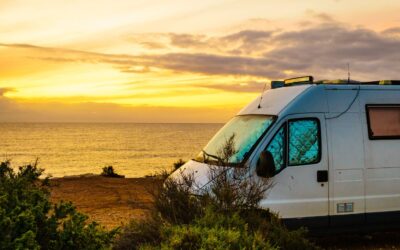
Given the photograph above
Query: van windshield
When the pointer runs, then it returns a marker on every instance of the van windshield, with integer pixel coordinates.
(246, 131)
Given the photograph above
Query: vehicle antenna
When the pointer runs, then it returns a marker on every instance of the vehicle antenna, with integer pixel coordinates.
(259, 104)
(348, 73)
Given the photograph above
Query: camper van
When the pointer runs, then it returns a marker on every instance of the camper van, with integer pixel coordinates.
(331, 149)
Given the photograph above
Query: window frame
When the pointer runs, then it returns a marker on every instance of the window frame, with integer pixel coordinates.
(285, 140)
(318, 160)
(285, 125)
(370, 134)
(252, 149)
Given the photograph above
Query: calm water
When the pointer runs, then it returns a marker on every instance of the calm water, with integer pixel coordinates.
(72, 148)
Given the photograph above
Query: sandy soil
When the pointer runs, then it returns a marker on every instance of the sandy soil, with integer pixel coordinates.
(110, 201)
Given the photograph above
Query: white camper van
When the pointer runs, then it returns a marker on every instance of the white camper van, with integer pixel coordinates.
(331, 148)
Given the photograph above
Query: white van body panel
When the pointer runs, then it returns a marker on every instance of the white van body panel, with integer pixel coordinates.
(346, 153)
(382, 158)
(363, 174)
(200, 173)
(295, 192)
(346, 162)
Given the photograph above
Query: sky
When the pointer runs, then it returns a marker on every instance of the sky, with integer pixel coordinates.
(180, 60)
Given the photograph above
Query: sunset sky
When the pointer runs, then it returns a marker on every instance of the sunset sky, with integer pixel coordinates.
(180, 61)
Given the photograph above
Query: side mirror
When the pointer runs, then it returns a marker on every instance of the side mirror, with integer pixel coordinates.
(265, 165)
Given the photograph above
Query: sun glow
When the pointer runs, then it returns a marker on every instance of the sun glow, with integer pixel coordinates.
(194, 56)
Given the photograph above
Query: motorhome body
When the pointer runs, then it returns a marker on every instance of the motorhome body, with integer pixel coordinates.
(335, 151)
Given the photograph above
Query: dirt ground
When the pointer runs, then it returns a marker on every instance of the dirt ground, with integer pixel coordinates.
(115, 201)
(109, 201)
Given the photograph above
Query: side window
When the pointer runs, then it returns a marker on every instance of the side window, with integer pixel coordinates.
(383, 121)
(304, 142)
(277, 148)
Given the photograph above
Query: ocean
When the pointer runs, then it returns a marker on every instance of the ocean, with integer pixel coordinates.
(133, 149)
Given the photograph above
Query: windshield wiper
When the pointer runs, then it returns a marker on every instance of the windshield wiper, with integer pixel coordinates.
(220, 161)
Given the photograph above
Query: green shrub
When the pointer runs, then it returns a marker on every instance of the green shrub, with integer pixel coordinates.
(257, 229)
(175, 203)
(109, 172)
(214, 231)
(29, 221)
(140, 233)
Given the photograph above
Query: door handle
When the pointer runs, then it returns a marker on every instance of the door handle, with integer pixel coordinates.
(322, 175)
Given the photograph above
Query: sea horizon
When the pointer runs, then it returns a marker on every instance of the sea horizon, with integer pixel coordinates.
(111, 122)
(75, 148)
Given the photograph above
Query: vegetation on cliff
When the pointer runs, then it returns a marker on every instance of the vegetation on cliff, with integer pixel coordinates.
(28, 220)
(222, 215)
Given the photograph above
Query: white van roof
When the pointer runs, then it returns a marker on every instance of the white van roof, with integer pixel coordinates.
(310, 98)
(273, 101)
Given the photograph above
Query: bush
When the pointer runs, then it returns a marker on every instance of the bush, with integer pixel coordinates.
(211, 229)
(225, 215)
(178, 164)
(29, 221)
(109, 172)
(214, 231)
(175, 203)
(140, 233)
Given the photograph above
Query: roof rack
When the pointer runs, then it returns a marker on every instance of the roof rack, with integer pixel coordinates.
(337, 81)
(299, 80)
(309, 80)
(383, 82)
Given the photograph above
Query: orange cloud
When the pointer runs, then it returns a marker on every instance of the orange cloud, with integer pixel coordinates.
(177, 76)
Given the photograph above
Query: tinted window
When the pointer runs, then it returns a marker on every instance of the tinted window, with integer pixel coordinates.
(383, 121)
(277, 149)
(304, 141)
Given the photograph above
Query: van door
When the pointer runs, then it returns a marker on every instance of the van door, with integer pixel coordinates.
(300, 191)
(346, 162)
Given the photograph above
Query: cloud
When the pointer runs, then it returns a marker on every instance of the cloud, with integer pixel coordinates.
(189, 41)
(392, 31)
(6, 90)
(242, 42)
(153, 45)
(322, 50)
(8, 106)
(327, 48)
(218, 64)
(249, 36)
(320, 16)
(246, 87)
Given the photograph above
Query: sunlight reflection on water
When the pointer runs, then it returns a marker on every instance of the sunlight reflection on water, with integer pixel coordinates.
(77, 148)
